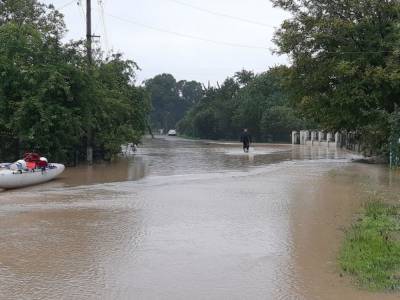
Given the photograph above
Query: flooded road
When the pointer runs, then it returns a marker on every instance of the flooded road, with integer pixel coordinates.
(188, 219)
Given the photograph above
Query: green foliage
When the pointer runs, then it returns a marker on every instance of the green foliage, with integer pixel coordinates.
(345, 72)
(49, 96)
(45, 19)
(395, 138)
(371, 251)
(171, 99)
(257, 102)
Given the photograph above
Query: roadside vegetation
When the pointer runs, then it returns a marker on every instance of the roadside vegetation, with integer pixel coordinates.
(371, 250)
(52, 100)
(345, 66)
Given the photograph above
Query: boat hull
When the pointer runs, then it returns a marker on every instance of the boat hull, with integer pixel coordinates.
(13, 179)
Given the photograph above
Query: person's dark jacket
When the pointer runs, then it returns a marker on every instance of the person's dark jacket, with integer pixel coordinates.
(245, 138)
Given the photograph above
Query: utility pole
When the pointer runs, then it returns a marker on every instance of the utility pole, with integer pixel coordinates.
(89, 30)
(89, 141)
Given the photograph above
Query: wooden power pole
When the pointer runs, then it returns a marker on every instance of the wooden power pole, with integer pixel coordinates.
(89, 30)
(89, 142)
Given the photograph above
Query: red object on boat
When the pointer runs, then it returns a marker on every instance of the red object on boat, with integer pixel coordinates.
(31, 165)
(41, 164)
(31, 157)
(34, 160)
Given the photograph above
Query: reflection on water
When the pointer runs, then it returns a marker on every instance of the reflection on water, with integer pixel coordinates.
(131, 168)
(189, 219)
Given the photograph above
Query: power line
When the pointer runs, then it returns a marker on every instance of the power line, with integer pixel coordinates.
(66, 4)
(186, 35)
(96, 23)
(221, 14)
(101, 4)
(78, 3)
(82, 11)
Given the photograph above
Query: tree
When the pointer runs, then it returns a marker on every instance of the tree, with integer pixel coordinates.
(244, 77)
(121, 111)
(345, 71)
(257, 102)
(44, 18)
(46, 90)
(171, 99)
(191, 92)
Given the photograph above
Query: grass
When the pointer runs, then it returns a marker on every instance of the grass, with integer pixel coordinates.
(371, 250)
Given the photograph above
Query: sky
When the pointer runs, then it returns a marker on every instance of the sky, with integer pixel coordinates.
(202, 40)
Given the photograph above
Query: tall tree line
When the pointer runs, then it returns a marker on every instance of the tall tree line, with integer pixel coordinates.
(171, 99)
(246, 100)
(50, 96)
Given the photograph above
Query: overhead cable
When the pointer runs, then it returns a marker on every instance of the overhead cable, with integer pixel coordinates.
(65, 5)
(103, 18)
(184, 35)
(219, 14)
(83, 12)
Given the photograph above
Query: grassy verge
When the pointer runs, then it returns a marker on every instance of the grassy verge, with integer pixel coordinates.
(371, 250)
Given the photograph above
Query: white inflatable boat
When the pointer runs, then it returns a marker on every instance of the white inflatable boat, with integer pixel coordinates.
(11, 179)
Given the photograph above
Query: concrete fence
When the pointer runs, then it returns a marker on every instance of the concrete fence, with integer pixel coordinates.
(326, 139)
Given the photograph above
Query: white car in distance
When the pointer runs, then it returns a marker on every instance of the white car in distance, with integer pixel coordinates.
(172, 132)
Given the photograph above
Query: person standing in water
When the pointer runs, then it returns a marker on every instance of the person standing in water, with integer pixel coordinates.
(245, 138)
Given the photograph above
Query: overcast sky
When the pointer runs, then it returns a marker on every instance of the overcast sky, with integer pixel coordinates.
(232, 44)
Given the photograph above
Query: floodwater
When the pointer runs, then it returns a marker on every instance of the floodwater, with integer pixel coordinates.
(189, 220)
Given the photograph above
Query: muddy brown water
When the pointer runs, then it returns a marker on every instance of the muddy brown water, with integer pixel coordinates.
(189, 220)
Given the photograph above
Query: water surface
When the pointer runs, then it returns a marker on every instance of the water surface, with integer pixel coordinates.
(188, 219)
